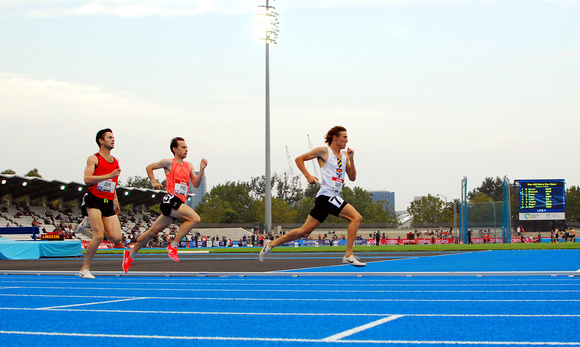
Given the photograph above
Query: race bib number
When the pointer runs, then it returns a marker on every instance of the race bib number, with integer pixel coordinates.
(337, 184)
(107, 186)
(180, 189)
(336, 201)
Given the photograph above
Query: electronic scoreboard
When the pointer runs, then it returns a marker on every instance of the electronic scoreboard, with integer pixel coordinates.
(542, 199)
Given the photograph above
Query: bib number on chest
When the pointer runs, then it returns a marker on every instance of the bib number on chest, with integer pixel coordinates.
(180, 189)
(107, 186)
(337, 184)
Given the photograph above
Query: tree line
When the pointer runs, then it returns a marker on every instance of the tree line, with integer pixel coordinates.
(243, 202)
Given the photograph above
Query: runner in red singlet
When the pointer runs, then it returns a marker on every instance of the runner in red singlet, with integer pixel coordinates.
(100, 203)
(178, 173)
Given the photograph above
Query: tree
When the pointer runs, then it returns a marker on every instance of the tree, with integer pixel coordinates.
(8, 172)
(33, 173)
(237, 198)
(380, 212)
(363, 202)
(139, 182)
(282, 186)
(490, 187)
(281, 211)
(230, 216)
(288, 188)
(428, 209)
(211, 209)
(573, 204)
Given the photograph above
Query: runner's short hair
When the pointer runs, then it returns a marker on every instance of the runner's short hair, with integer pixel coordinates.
(101, 135)
(174, 143)
(334, 131)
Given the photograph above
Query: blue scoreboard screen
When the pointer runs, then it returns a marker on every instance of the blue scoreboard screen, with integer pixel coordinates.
(542, 199)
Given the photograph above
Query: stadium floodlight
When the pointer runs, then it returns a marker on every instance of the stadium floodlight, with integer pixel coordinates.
(268, 30)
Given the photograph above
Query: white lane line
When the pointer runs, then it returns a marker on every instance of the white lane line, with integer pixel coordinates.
(269, 290)
(87, 304)
(336, 337)
(260, 339)
(233, 298)
(241, 313)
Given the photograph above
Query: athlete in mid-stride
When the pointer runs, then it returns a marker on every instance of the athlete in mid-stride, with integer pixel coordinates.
(335, 160)
(178, 173)
(100, 203)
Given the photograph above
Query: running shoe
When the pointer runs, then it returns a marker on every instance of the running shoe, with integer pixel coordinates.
(86, 274)
(127, 261)
(265, 250)
(353, 260)
(84, 228)
(172, 252)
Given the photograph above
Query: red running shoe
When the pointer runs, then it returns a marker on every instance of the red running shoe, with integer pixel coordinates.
(127, 261)
(172, 252)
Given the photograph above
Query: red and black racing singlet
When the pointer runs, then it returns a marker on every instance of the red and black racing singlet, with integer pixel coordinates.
(178, 180)
(105, 189)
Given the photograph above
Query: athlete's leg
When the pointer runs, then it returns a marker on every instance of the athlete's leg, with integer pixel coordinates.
(304, 231)
(98, 228)
(354, 218)
(159, 225)
(191, 219)
(113, 231)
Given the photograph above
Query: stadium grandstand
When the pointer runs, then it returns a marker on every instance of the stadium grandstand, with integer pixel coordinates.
(54, 206)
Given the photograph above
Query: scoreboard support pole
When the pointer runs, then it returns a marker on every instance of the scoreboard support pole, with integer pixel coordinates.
(506, 224)
(463, 212)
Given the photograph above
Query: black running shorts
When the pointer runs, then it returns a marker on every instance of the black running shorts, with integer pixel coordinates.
(106, 206)
(170, 202)
(325, 205)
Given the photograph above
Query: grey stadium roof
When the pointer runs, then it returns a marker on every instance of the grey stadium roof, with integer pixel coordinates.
(37, 188)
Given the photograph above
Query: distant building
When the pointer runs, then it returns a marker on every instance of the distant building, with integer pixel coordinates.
(384, 195)
(198, 193)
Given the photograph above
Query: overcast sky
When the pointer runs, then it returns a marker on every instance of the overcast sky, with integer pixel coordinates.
(429, 90)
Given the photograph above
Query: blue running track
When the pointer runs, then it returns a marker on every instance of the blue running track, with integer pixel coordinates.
(438, 310)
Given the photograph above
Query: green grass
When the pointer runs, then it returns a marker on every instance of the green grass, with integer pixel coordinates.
(362, 249)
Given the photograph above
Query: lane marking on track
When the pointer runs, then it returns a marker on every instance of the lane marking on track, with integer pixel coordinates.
(260, 339)
(336, 337)
(219, 288)
(303, 299)
(87, 304)
(306, 314)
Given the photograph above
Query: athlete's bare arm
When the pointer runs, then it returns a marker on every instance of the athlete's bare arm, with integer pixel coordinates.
(116, 203)
(90, 177)
(350, 169)
(320, 153)
(162, 164)
(196, 179)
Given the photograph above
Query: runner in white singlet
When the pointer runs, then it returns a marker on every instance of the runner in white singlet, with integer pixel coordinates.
(335, 160)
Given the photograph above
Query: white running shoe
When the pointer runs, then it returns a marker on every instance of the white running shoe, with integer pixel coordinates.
(353, 260)
(265, 250)
(84, 228)
(86, 274)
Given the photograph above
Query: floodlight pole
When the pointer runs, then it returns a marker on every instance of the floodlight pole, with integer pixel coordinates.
(268, 183)
(271, 34)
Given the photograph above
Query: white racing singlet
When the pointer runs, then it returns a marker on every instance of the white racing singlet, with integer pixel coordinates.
(332, 174)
